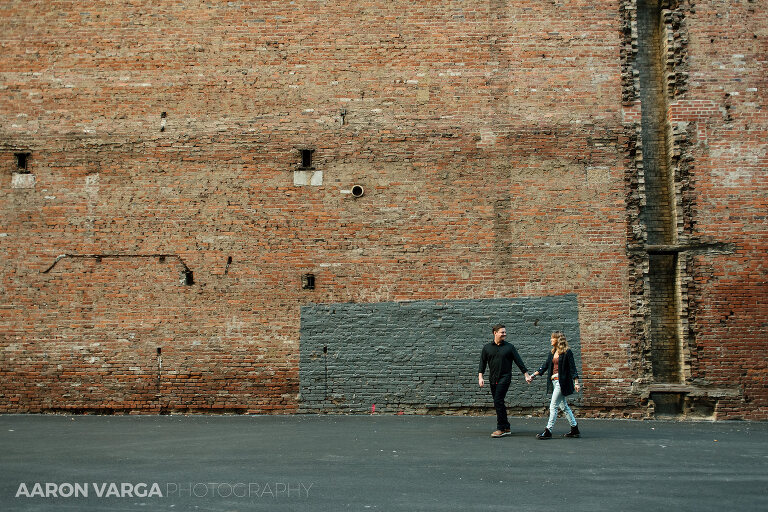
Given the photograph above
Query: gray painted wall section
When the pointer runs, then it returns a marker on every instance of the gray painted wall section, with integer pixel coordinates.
(423, 354)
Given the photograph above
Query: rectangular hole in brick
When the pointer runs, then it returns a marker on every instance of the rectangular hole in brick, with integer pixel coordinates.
(22, 162)
(668, 404)
(308, 281)
(306, 158)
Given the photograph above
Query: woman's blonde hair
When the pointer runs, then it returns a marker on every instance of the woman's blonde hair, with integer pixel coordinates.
(562, 342)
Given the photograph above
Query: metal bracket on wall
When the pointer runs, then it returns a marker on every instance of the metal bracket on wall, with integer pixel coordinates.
(188, 275)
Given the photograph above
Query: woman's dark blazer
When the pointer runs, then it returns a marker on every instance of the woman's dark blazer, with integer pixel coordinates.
(566, 372)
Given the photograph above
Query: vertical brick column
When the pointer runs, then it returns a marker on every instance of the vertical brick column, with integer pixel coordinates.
(658, 214)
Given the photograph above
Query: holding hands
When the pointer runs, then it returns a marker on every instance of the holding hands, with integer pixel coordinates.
(529, 379)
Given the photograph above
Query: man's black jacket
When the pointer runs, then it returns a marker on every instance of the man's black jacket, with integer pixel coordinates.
(499, 359)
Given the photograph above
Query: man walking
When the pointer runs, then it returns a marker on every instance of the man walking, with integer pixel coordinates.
(498, 356)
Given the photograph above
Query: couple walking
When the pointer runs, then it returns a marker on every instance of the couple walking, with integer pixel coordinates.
(562, 379)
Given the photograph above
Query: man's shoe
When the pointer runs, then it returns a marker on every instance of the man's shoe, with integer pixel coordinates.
(574, 432)
(497, 433)
(544, 435)
(507, 432)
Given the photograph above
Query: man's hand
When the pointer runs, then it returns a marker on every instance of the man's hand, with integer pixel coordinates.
(528, 378)
(576, 385)
(480, 379)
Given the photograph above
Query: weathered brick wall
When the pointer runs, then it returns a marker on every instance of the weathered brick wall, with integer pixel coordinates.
(419, 355)
(495, 142)
(725, 115)
(713, 93)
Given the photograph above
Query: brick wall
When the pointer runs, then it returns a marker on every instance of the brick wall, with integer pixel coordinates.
(419, 355)
(726, 118)
(715, 257)
(496, 143)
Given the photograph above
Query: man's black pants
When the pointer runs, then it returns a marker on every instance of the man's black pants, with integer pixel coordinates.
(499, 392)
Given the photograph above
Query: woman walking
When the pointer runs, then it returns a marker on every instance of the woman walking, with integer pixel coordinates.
(563, 380)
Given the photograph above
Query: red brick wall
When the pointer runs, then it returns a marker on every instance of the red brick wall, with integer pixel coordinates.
(491, 139)
(726, 105)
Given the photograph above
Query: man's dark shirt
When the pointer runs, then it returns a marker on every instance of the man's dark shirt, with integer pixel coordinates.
(499, 359)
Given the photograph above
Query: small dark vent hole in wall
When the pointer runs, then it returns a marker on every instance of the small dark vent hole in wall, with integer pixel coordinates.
(306, 158)
(22, 162)
(308, 281)
(189, 278)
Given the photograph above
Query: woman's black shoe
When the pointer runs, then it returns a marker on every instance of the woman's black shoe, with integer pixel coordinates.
(544, 435)
(574, 432)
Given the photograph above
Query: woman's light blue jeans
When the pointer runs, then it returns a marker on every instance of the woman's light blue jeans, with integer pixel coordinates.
(558, 400)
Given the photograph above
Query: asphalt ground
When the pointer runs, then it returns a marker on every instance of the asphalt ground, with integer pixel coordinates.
(377, 462)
